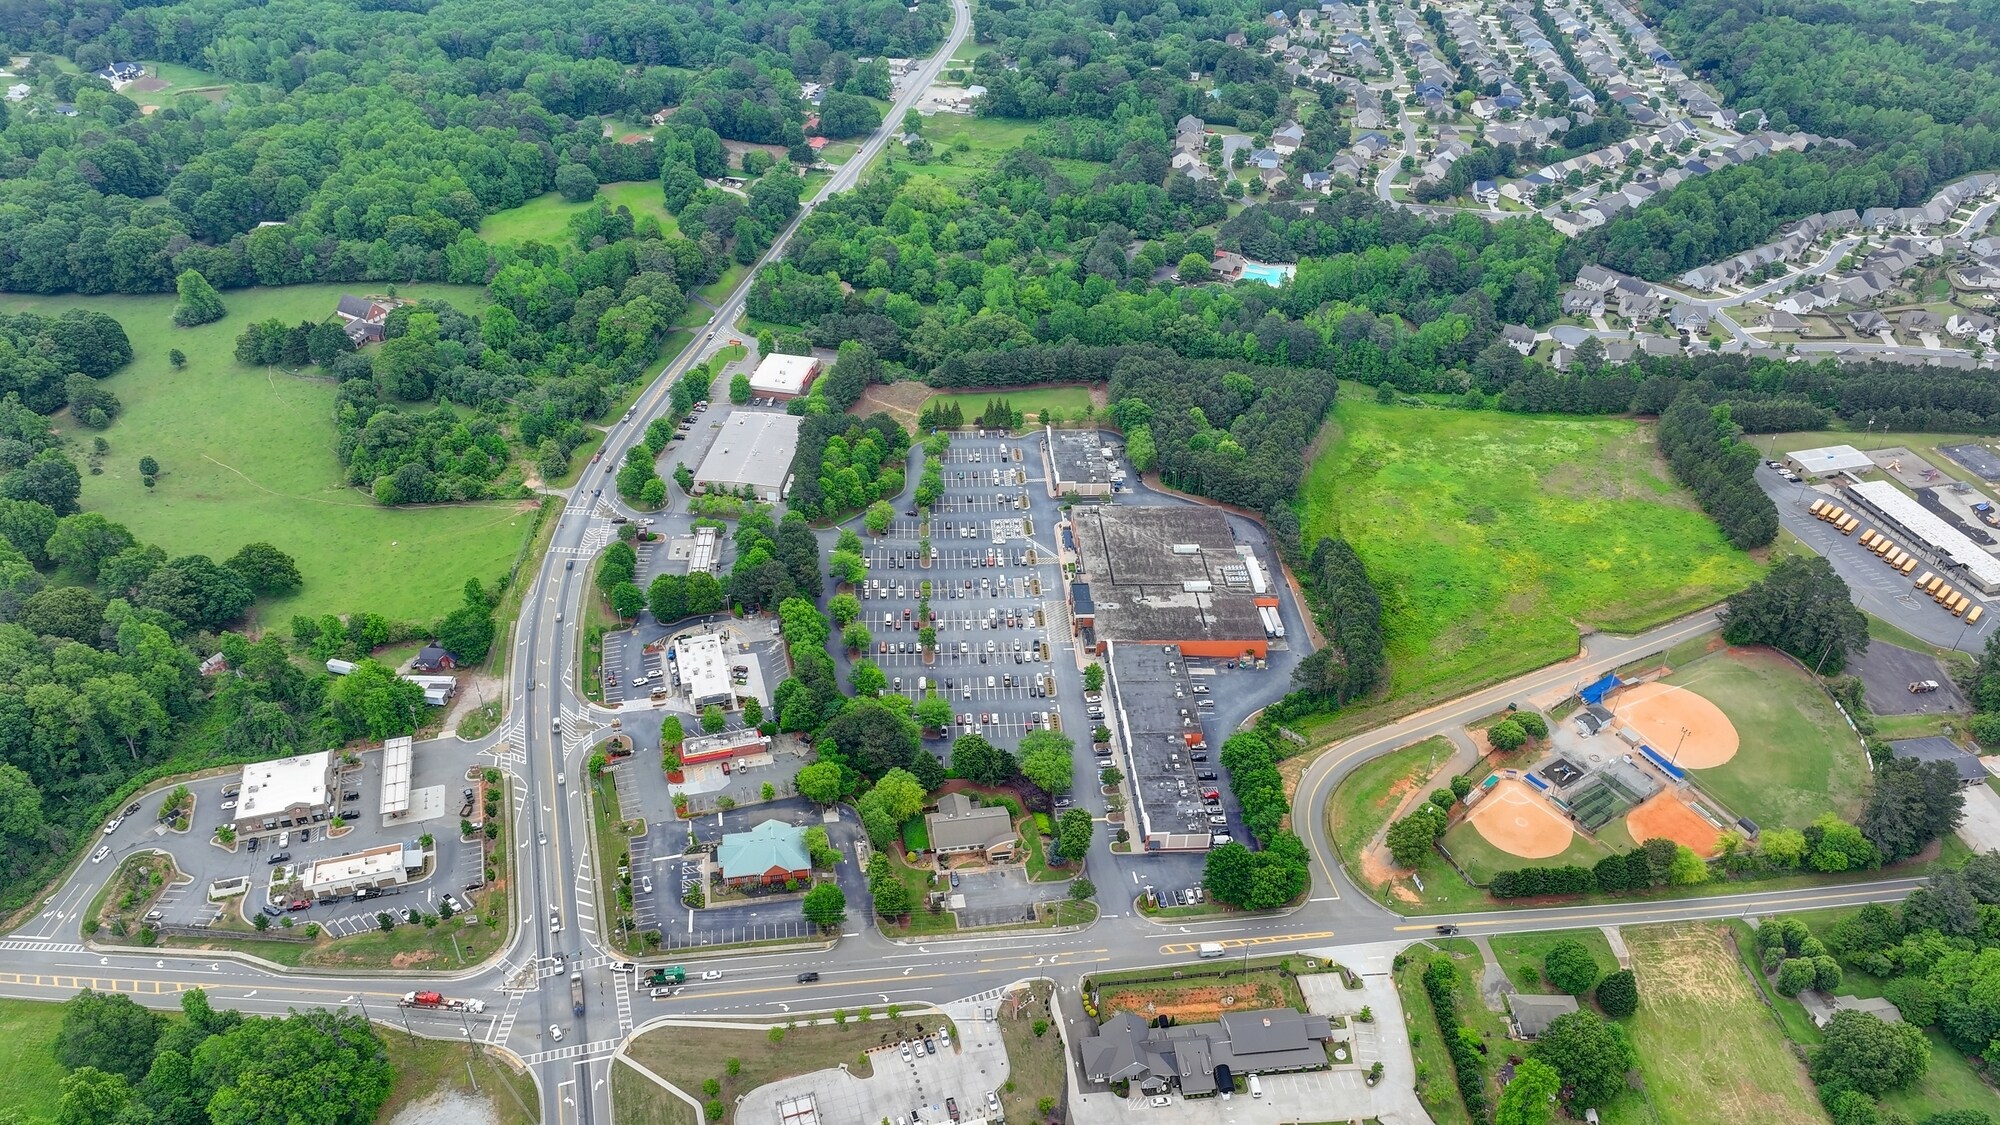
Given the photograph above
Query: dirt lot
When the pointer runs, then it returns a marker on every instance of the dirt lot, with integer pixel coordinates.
(900, 401)
(1196, 1000)
(1666, 815)
(1887, 672)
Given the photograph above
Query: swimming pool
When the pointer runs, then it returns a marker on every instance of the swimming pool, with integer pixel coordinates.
(1273, 275)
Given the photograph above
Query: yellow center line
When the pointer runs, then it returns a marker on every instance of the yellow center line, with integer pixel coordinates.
(1243, 943)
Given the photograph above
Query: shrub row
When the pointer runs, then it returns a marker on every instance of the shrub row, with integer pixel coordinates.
(1440, 980)
(1526, 882)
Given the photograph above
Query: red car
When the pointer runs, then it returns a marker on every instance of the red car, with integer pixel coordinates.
(300, 904)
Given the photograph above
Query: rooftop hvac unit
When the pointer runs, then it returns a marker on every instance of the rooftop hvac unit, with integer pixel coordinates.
(1187, 548)
(1197, 586)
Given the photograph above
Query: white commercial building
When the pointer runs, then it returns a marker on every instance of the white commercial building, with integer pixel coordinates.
(386, 866)
(784, 376)
(1948, 548)
(753, 449)
(284, 792)
(397, 755)
(704, 668)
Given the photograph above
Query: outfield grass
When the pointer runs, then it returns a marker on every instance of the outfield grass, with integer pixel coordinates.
(180, 80)
(1364, 800)
(1709, 1051)
(27, 1056)
(1481, 859)
(1521, 955)
(1797, 758)
(1069, 401)
(546, 217)
(1494, 537)
(248, 455)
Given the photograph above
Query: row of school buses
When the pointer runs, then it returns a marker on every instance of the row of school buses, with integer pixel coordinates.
(1900, 560)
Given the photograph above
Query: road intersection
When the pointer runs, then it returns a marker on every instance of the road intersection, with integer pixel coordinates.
(549, 729)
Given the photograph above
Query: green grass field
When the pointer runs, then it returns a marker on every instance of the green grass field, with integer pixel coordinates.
(1709, 1051)
(984, 141)
(1361, 804)
(248, 454)
(1797, 757)
(546, 217)
(1520, 955)
(1481, 859)
(1494, 537)
(180, 80)
(27, 1055)
(1068, 401)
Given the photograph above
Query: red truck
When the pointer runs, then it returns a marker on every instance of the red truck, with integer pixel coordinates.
(437, 1001)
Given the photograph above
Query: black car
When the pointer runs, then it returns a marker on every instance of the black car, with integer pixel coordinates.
(272, 912)
(130, 809)
(252, 846)
(278, 858)
(808, 978)
(1205, 775)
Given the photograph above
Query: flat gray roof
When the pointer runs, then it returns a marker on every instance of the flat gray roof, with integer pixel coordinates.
(1943, 538)
(1078, 458)
(752, 447)
(1156, 714)
(1165, 574)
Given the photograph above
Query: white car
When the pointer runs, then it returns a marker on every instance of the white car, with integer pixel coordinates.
(906, 1052)
(1160, 1101)
(646, 884)
(102, 851)
(284, 839)
(113, 826)
(555, 1033)
(712, 974)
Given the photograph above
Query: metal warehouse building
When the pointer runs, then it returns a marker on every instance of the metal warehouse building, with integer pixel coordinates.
(1170, 576)
(753, 449)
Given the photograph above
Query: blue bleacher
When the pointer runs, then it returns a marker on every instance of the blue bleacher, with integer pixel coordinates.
(1536, 782)
(1666, 767)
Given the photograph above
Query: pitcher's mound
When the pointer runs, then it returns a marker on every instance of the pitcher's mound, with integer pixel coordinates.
(1513, 818)
(1660, 712)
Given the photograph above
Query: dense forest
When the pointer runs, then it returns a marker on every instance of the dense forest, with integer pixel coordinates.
(1915, 87)
(367, 143)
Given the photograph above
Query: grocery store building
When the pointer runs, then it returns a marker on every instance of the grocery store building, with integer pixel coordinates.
(1170, 575)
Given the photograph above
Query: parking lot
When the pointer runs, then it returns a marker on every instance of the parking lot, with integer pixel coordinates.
(909, 1083)
(435, 766)
(990, 586)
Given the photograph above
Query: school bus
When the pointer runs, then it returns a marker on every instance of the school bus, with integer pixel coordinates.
(1958, 604)
(1882, 547)
(1869, 537)
(1976, 613)
(1907, 565)
(1933, 586)
(1925, 579)
(1848, 525)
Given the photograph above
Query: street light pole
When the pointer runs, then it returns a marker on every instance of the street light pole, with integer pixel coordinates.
(1677, 746)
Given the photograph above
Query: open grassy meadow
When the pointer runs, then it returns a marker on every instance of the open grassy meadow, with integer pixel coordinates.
(1708, 1050)
(1521, 955)
(165, 82)
(1797, 759)
(27, 1056)
(964, 147)
(546, 217)
(1030, 401)
(247, 454)
(1494, 537)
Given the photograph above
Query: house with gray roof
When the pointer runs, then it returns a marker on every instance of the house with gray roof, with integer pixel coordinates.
(1940, 749)
(1532, 1014)
(960, 826)
(1197, 1058)
(1820, 1007)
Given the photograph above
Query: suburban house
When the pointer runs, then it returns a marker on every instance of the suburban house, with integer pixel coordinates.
(1228, 265)
(1781, 321)
(767, 855)
(959, 826)
(366, 318)
(1920, 320)
(1821, 1007)
(1637, 301)
(1868, 321)
(1200, 1059)
(1289, 139)
(1533, 1014)
(1486, 191)
(1582, 302)
(433, 659)
(1519, 337)
(1963, 325)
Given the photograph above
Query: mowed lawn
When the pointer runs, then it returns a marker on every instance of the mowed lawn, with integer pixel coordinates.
(1709, 1052)
(1363, 801)
(27, 1056)
(546, 217)
(1796, 757)
(247, 455)
(1068, 401)
(1495, 537)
